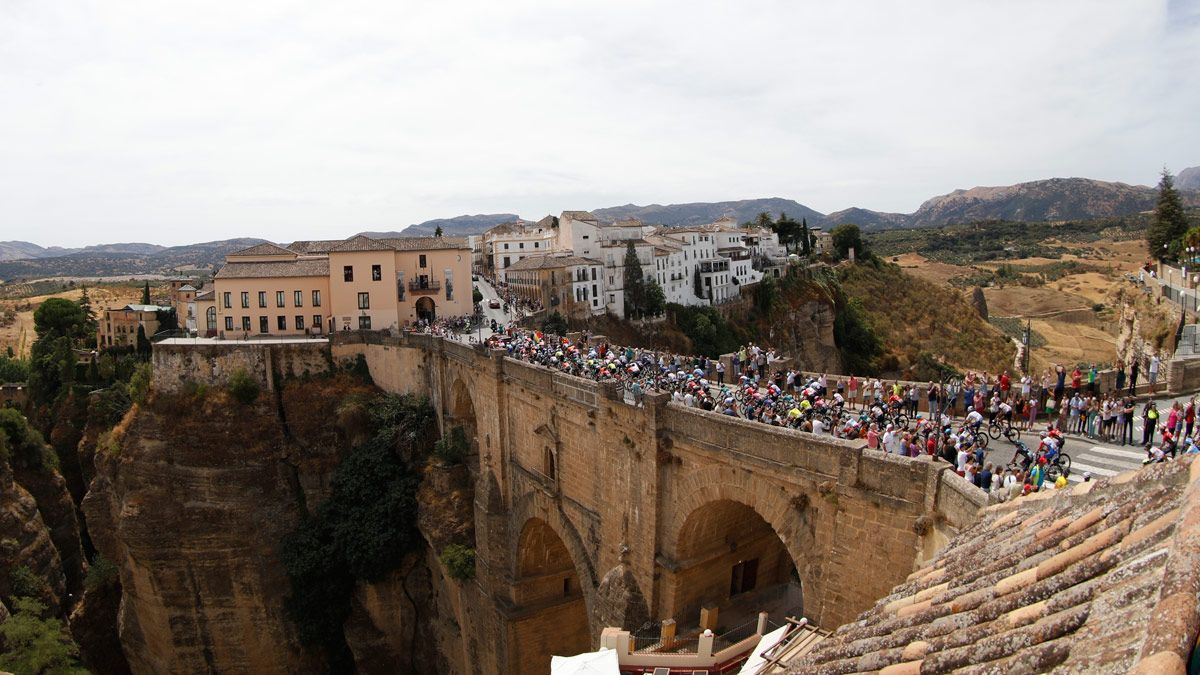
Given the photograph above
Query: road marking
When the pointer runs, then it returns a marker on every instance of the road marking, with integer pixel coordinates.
(1113, 452)
(1080, 468)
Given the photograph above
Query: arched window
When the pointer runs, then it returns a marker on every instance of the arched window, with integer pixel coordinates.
(211, 318)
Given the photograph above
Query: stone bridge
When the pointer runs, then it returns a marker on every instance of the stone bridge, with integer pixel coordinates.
(592, 512)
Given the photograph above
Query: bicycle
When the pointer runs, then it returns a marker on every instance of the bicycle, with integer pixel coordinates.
(1060, 465)
(997, 428)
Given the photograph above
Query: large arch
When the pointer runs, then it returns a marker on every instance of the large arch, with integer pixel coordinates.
(552, 609)
(723, 507)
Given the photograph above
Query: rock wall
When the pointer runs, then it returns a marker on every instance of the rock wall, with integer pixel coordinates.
(25, 541)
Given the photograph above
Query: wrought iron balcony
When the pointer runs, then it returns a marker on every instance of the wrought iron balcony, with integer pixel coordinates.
(430, 286)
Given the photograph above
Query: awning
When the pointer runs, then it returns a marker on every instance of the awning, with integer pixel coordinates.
(603, 662)
(757, 660)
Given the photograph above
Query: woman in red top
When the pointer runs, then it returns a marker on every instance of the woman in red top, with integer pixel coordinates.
(1076, 379)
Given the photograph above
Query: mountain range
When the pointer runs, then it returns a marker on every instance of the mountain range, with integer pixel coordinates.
(1053, 199)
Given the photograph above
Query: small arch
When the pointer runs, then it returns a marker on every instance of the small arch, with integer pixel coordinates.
(210, 321)
(460, 411)
(548, 590)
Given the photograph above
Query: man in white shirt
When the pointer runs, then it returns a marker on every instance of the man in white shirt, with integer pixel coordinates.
(889, 437)
(818, 427)
(974, 419)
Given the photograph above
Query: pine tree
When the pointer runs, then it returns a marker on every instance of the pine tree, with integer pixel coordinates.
(1165, 234)
(146, 294)
(804, 237)
(438, 231)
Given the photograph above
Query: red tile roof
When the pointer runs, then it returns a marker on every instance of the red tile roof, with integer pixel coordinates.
(1102, 577)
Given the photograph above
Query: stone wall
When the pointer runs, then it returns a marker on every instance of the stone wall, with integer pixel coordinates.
(177, 366)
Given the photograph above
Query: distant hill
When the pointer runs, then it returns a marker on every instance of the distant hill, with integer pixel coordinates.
(458, 226)
(20, 250)
(1188, 179)
(1052, 199)
(699, 213)
(866, 219)
(123, 259)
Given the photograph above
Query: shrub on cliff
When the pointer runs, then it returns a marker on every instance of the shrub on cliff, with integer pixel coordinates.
(102, 573)
(37, 645)
(243, 387)
(452, 448)
(362, 531)
(459, 561)
(25, 445)
(25, 584)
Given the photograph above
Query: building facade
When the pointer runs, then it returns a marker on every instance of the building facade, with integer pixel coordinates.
(118, 327)
(361, 283)
(567, 284)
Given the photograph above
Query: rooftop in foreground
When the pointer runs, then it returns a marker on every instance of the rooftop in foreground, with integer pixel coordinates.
(1102, 577)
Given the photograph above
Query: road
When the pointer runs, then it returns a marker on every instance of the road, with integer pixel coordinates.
(1088, 455)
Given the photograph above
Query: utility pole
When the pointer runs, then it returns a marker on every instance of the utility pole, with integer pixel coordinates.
(1026, 339)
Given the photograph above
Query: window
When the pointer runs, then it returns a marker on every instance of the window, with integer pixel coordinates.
(262, 298)
(506, 247)
(585, 236)
(229, 323)
(298, 298)
(348, 273)
(279, 298)
(364, 301)
(593, 274)
(521, 245)
(364, 323)
(316, 298)
(246, 323)
(245, 299)
(210, 319)
(422, 259)
(281, 322)
(535, 244)
(506, 261)
(376, 272)
(262, 324)
(299, 322)
(449, 275)
(316, 320)
(228, 299)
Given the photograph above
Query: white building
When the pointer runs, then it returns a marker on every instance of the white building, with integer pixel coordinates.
(508, 243)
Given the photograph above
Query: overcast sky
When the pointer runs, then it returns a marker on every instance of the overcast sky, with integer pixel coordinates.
(174, 122)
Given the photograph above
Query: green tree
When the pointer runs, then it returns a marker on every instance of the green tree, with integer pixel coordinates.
(1165, 234)
(763, 220)
(143, 344)
(766, 294)
(635, 291)
(89, 313)
(36, 645)
(146, 294)
(60, 325)
(846, 237)
(788, 230)
(167, 319)
(459, 561)
(655, 299)
(437, 232)
(555, 324)
(476, 296)
(805, 237)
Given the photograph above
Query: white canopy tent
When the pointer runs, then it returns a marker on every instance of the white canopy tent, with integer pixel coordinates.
(756, 660)
(603, 662)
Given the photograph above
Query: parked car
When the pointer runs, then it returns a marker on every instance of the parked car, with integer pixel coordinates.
(494, 303)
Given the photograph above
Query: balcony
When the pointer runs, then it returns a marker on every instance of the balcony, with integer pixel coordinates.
(417, 286)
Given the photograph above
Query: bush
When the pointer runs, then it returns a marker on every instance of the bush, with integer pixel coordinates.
(25, 584)
(459, 561)
(243, 387)
(452, 448)
(139, 383)
(361, 531)
(37, 645)
(102, 573)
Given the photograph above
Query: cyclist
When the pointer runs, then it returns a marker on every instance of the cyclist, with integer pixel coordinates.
(974, 419)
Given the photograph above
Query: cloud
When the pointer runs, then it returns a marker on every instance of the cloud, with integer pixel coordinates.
(176, 122)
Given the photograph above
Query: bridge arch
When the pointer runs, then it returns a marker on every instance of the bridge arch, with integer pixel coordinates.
(730, 534)
(460, 411)
(552, 591)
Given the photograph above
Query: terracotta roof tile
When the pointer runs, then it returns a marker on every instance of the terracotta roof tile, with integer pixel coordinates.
(1099, 579)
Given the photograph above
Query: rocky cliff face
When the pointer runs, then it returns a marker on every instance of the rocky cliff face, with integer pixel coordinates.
(193, 505)
(25, 543)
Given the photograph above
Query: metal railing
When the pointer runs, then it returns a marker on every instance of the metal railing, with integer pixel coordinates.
(418, 286)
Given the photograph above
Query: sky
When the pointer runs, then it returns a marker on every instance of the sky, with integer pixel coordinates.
(178, 122)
